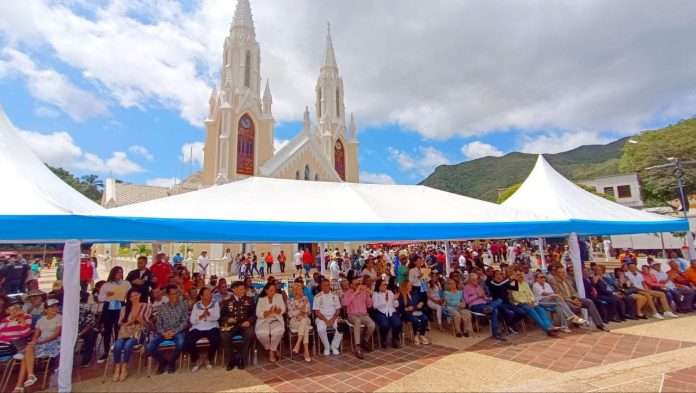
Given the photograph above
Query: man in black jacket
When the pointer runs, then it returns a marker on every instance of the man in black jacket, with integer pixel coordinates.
(141, 278)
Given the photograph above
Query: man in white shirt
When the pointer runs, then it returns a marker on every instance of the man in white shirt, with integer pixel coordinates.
(326, 310)
(298, 261)
(462, 261)
(334, 267)
(636, 278)
(203, 263)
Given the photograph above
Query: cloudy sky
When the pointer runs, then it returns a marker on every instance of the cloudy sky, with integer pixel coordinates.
(121, 86)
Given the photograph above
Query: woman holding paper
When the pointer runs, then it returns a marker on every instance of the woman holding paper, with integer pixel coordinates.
(113, 295)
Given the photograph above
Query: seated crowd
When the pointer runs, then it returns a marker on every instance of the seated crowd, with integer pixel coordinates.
(165, 311)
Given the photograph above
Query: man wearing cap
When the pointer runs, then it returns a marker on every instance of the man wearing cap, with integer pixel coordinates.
(15, 273)
(171, 324)
(35, 305)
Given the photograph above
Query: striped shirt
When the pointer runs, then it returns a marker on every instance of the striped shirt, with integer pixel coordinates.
(11, 330)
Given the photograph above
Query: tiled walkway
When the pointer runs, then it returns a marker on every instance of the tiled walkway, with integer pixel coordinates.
(683, 380)
(577, 350)
(345, 373)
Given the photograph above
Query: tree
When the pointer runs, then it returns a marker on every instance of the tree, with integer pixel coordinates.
(89, 185)
(654, 148)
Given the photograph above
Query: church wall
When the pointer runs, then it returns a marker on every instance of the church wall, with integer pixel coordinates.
(352, 164)
(210, 153)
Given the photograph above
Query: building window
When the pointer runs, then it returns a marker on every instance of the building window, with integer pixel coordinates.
(247, 69)
(609, 191)
(319, 98)
(245, 146)
(624, 191)
(338, 103)
(340, 160)
(306, 172)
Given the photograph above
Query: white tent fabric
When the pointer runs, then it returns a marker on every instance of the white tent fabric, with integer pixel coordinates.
(34, 203)
(30, 187)
(547, 192)
(277, 210)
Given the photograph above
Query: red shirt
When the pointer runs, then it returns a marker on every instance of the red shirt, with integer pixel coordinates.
(307, 258)
(281, 258)
(269, 259)
(161, 271)
(11, 330)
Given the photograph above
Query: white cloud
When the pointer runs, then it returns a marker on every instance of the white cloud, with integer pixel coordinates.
(56, 149)
(118, 164)
(141, 151)
(557, 67)
(279, 144)
(556, 142)
(50, 86)
(478, 149)
(59, 149)
(46, 112)
(422, 162)
(192, 152)
(376, 178)
(168, 182)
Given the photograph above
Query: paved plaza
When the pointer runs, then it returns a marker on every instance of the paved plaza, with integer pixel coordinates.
(646, 356)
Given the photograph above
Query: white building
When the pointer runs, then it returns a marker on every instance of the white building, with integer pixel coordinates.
(624, 188)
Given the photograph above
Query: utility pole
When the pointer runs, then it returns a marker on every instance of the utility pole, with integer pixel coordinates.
(678, 173)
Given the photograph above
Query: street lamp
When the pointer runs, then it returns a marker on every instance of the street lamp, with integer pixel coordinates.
(678, 173)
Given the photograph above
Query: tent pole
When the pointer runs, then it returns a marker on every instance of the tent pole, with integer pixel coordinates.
(71, 313)
(448, 262)
(574, 249)
(542, 262)
(322, 263)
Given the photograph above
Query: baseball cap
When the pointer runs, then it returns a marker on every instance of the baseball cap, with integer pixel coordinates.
(52, 302)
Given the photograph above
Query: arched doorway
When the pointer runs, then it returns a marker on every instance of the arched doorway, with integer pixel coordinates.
(246, 132)
(340, 159)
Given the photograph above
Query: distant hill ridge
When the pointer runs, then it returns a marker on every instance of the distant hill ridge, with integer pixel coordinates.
(483, 177)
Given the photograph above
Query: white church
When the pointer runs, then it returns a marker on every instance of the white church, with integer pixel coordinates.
(240, 127)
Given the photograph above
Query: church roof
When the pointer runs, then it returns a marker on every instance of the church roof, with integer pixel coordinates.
(283, 156)
(121, 194)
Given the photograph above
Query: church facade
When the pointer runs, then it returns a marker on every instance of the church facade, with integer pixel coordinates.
(239, 127)
(239, 139)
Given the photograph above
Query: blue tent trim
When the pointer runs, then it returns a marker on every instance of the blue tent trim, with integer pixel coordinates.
(125, 229)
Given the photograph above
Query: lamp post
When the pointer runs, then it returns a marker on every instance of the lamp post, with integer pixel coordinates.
(678, 172)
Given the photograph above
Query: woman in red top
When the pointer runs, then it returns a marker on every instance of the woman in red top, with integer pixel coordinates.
(161, 269)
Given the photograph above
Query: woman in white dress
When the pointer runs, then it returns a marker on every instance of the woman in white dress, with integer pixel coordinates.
(270, 324)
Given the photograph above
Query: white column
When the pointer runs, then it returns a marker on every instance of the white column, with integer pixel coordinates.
(71, 312)
(322, 255)
(541, 253)
(448, 262)
(574, 249)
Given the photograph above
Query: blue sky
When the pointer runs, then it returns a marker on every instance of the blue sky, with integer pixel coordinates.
(120, 87)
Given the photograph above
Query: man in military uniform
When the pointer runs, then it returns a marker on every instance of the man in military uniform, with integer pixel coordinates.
(237, 320)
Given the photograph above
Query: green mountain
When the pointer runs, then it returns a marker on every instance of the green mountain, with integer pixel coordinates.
(482, 178)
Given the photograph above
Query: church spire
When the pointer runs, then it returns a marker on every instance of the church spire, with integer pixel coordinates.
(267, 97)
(242, 17)
(352, 128)
(307, 121)
(330, 55)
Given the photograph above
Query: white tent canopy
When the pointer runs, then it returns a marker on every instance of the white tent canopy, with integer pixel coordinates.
(30, 188)
(34, 205)
(277, 210)
(547, 192)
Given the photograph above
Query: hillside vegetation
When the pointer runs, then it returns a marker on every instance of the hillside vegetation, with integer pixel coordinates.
(485, 177)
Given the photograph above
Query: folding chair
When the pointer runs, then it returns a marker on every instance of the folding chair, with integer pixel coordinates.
(8, 363)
